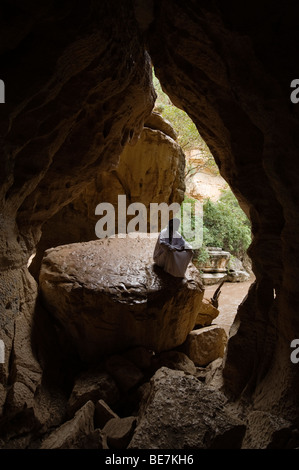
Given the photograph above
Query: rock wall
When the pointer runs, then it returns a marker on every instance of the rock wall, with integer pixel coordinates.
(78, 87)
(230, 69)
(150, 171)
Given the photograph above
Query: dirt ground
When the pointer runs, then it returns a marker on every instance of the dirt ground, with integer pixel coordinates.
(232, 294)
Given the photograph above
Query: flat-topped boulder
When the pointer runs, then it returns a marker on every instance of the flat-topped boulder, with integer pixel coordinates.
(108, 295)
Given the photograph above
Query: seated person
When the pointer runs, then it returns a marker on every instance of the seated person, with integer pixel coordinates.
(172, 252)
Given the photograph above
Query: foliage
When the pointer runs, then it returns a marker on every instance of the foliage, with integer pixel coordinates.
(225, 225)
(188, 135)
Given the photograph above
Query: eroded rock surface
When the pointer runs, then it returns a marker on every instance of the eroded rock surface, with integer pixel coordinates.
(150, 171)
(230, 68)
(74, 98)
(73, 434)
(207, 313)
(181, 413)
(109, 296)
(205, 345)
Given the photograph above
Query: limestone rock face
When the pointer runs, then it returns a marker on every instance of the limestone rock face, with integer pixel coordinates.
(150, 171)
(215, 268)
(234, 82)
(268, 431)
(109, 296)
(181, 413)
(75, 95)
(18, 294)
(157, 122)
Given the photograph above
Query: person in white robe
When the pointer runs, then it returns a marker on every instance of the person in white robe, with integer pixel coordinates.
(172, 252)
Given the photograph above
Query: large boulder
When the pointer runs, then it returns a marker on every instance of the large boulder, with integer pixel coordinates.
(151, 171)
(181, 413)
(109, 296)
(205, 345)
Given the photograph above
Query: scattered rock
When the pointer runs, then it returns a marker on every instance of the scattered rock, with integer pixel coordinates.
(140, 356)
(103, 414)
(207, 313)
(94, 440)
(124, 372)
(73, 433)
(205, 345)
(109, 296)
(143, 393)
(176, 360)
(209, 279)
(236, 271)
(217, 261)
(119, 432)
(181, 413)
(213, 373)
(92, 385)
(50, 407)
(237, 276)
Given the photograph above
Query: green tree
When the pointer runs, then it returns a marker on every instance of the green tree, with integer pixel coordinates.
(188, 135)
(225, 225)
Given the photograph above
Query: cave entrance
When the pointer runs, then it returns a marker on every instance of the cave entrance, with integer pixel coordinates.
(222, 259)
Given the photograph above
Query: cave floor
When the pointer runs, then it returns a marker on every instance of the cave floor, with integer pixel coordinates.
(232, 294)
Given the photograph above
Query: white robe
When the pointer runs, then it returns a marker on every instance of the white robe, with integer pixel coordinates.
(175, 257)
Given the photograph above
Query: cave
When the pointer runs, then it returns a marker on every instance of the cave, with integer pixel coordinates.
(78, 90)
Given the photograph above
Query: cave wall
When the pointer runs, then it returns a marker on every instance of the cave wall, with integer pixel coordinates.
(78, 87)
(229, 66)
(149, 171)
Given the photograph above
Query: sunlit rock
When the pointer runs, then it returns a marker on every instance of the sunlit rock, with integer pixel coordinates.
(205, 344)
(151, 171)
(108, 296)
(207, 313)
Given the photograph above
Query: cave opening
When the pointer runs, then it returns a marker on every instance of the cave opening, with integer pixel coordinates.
(223, 255)
(230, 70)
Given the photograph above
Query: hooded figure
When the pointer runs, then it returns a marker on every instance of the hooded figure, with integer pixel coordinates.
(172, 252)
